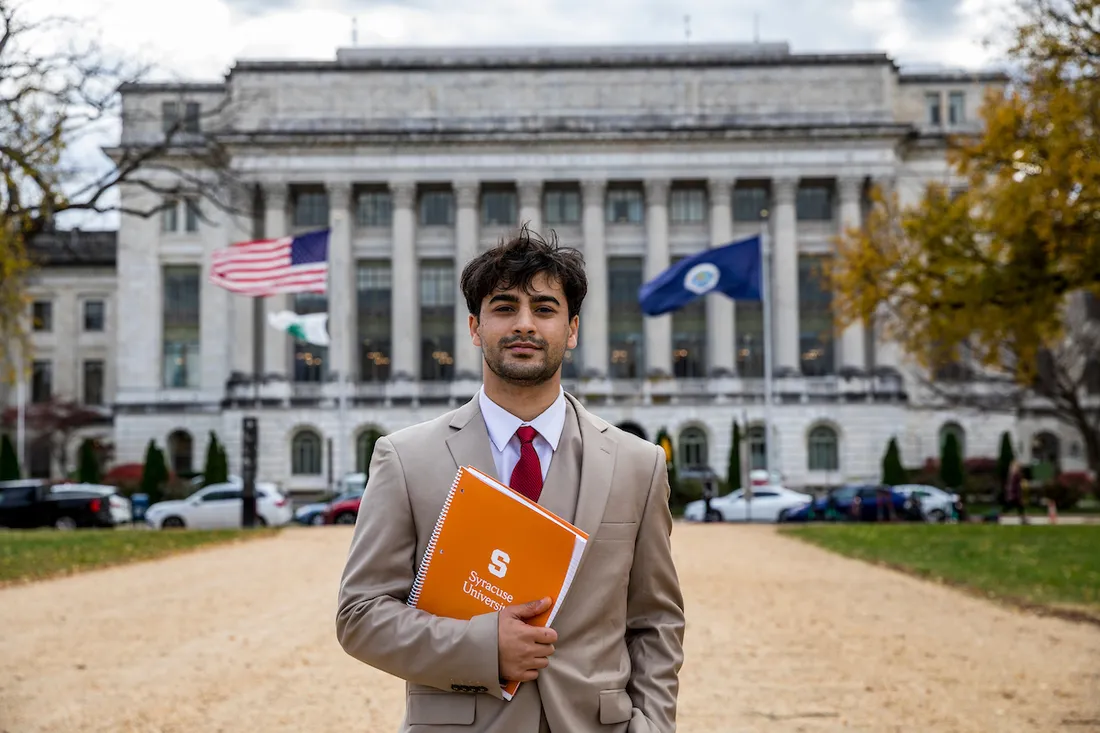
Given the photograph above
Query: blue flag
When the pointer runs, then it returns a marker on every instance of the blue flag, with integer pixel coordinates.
(733, 269)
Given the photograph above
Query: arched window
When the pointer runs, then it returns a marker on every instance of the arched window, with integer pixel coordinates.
(364, 449)
(633, 428)
(758, 449)
(1046, 448)
(180, 452)
(693, 447)
(822, 449)
(305, 453)
(953, 428)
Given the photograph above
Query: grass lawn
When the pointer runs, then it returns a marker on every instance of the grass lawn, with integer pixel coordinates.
(1056, 568)
(27, 555)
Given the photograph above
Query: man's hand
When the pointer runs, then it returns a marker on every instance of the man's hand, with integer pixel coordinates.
(523, 649)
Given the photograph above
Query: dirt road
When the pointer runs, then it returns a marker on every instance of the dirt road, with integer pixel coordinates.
(781, 637)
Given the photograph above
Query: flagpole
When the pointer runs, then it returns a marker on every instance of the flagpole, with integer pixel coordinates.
(766, 307)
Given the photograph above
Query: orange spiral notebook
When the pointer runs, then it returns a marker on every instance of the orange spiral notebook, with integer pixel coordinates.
(493, 547)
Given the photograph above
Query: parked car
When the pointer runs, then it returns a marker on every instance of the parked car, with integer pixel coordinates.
(32, 504)
(218, 506)
(938, 505)
(313, 513)
(856, 502)
(120, 505)
(342, 512)
(768, 503)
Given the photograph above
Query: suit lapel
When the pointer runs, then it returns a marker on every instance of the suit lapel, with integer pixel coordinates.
(597, 466)
(469, 445)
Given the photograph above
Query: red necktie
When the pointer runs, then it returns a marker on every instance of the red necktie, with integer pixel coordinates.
(527, 475)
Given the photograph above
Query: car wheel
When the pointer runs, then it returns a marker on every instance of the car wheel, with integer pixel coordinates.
(260, 521)
(714, 516)
(65, 523)
(936, 515)
(172, 523)
(317, 519)
(345, 518)
(783, 515)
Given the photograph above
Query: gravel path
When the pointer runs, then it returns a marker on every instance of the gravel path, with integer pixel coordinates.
(782, 637)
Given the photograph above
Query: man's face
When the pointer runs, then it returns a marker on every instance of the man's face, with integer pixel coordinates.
(524, 335)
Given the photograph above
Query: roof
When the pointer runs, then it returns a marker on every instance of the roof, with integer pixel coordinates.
(74, 248)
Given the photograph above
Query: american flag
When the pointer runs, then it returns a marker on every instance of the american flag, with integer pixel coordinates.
(270, 266)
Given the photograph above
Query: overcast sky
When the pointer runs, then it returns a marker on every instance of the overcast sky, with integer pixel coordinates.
(201, 38)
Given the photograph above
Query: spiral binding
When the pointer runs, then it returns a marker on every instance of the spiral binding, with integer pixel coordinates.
(429, 553)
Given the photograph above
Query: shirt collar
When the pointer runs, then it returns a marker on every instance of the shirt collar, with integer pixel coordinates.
(502, 425)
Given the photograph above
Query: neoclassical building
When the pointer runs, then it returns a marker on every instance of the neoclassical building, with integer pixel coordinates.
(420, 158)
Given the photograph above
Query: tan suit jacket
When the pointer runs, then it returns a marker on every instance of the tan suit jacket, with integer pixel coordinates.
(620, 630)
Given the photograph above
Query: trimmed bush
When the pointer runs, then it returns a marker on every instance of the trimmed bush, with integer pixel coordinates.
(893, 473)
(88, 463)
(9, 462)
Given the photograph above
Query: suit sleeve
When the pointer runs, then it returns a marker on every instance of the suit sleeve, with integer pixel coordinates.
(373, 622)
(655, 611)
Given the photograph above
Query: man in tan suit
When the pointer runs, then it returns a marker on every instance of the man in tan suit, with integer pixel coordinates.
(612, 660)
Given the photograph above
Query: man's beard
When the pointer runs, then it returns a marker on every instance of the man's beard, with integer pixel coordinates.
(529, 373)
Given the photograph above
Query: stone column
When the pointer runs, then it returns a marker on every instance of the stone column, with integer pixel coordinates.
(721, 322)
(852, 348)
(467, 356)
(405, 288)
(658, 329)
(218, 309)
(530, 204)
(341, 289)
(239, 227)
(785, 325)
(887, 353)
(594, 340)
(276, 344)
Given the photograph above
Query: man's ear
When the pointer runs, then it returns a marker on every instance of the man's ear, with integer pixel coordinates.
(474, 322)
(574, 330)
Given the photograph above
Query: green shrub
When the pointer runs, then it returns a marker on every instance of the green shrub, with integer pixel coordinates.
(9, 462)
(88, 465)
(893, 473)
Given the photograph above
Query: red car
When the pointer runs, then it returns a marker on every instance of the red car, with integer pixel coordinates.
(342, 512)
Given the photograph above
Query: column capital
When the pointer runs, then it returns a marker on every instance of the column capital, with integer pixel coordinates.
(403, 194)
(719, 189)
(466, 192)
(339, 195)
(656, 191)
(530, 191)
(850, 187)
(785, 188)
(887, 183)
(275, 195)
(593, 190)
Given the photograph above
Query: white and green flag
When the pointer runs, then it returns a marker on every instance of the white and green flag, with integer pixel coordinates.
(312, 327)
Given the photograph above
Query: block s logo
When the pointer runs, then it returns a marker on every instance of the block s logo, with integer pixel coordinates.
(498, 564)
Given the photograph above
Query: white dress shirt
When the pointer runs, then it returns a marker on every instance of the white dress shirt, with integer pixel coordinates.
(502, 426)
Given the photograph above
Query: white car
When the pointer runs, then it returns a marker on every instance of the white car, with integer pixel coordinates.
(936, 503)
(120, 505)
(769, 503)
(218, 506)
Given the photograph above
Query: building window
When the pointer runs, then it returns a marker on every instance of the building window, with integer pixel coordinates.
(374, 287)
(693, 447)
(758, 449)
(750, 202)
(814, 202)
(689, 339)
(305, 453)
(1045, 448)
(311, 208)
(625, 329)
(956, 108)
(310, 360)
(191, 207)
(953, 428)
(93, 382)
(822, 449)
(181, 450)
(42, 316)
(438, 289)
(815, 318)
(687, 206)
(169, 215)
(181, 326)
(437, 208)
(561, 206)
(932, 106)
(749, 318)
(94, 315)
(498, 207)
(41, 381)
(624, 206)
(170, 117)
(374, 208)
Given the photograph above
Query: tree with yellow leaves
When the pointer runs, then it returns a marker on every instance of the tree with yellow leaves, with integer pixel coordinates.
(997, 283)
